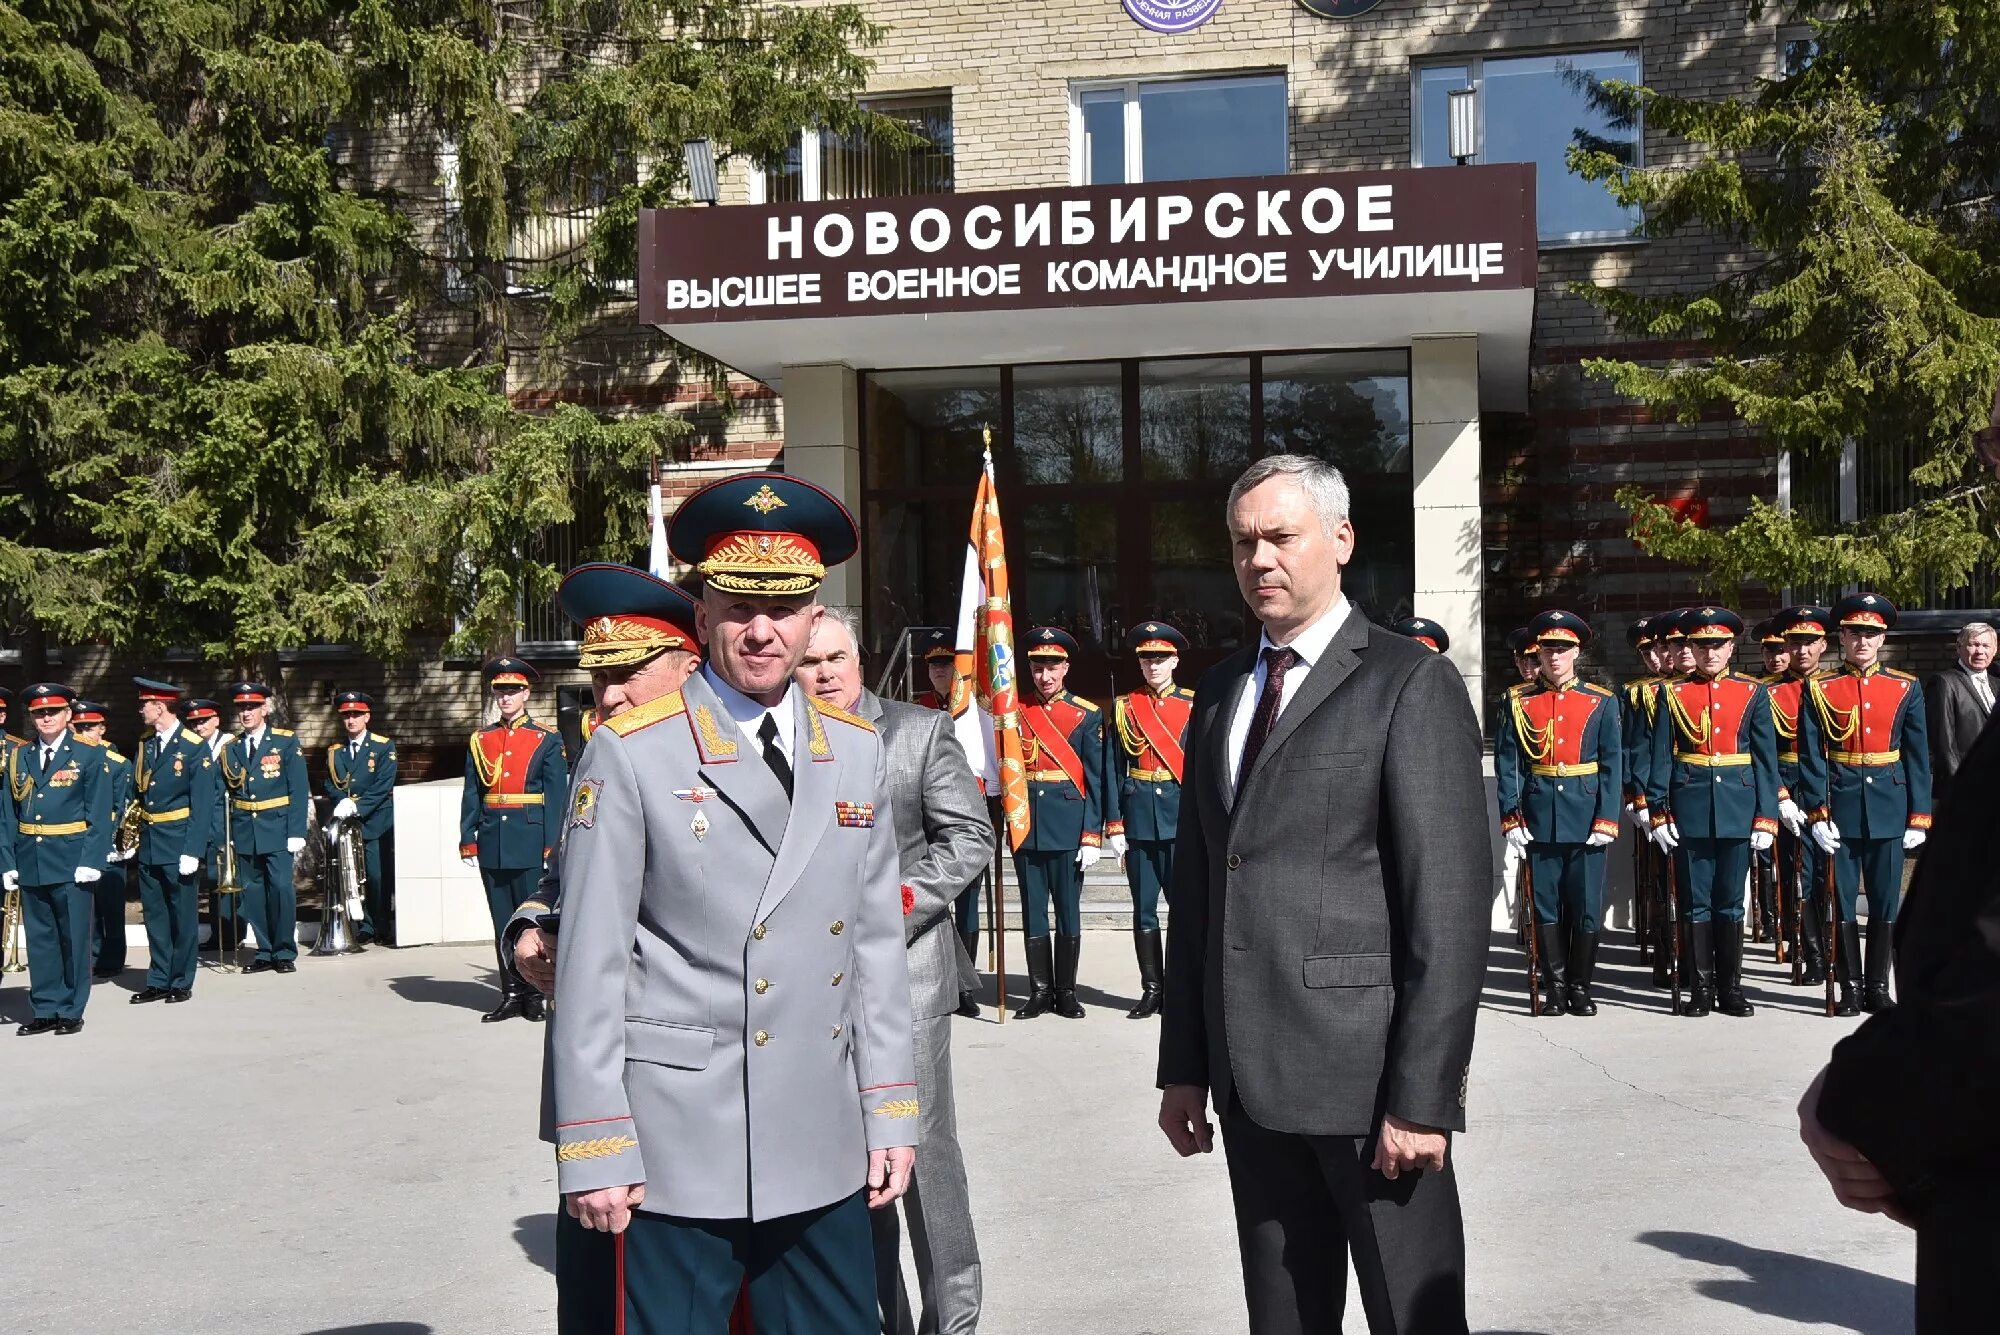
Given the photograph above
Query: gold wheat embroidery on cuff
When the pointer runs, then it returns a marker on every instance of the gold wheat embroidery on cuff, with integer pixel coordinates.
(897, 1108)
(602, 1148)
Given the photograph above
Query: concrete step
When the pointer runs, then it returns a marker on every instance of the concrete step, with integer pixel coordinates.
(1107, 901)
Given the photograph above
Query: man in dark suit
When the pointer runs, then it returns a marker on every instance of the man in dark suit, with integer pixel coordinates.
(1329, 934)
(1901, 1119)
(1957, 703)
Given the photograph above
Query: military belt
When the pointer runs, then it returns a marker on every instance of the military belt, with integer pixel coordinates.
(1788, 757)
(1864, 757)
(1734, 758)
(1048, 776)
(513, 799)
(60, 827)
(260, 804)
(1153, 775)
(1564, 771)
(166, 817)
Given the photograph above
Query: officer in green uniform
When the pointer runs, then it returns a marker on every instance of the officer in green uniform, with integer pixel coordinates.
(361, 780)
(112, 888)
(177, 783)
(270, 806)
(1062, 743)
(514, 775)
(57, 806)
(1148, 753)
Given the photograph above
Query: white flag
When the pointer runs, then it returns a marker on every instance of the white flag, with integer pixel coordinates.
(656, 563)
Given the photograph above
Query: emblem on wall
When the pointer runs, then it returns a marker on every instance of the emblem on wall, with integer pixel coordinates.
(1171, 16)
(1338, 9)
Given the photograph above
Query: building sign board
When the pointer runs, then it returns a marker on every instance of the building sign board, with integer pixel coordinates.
(1171, 16)
(1375, 233)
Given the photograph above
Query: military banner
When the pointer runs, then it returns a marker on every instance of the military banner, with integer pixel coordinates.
(989, 725)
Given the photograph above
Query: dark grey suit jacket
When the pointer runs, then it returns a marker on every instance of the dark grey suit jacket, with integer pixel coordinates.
(1955, 716)
(1329, 933)
(944, 841)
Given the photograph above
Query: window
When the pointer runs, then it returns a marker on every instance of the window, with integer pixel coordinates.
(1178, 130)
(1534, 109)
(1797, 48)
(821, 164)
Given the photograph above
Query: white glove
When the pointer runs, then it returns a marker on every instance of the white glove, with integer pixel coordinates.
(125, 856)
(1086, 856)
(190, 864)
(345, 809)
(295, 845)
(472, 862)
(85, 875)
(1599, 839)
(1913, 839)
(1667, 836)
(1826, 834)
(10, 880)
(1761, 841)
(1518, 838)
(1118, 844)
(1792, 816)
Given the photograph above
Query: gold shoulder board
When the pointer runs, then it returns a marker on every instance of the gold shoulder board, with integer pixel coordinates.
(643, 716)
(833, 711)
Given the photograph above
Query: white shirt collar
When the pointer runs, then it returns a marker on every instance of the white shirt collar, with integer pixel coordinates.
(253, 740)
(165, 732)
(749, 714)
(53, 744)
(1310, 643)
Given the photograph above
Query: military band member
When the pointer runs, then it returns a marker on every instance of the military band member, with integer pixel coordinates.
(111, 890)
(1865, 776)
(734, 1081)
(1800, 861)
(1425, 632)
(1713, 794)
(1062, 744)
(203, 717)
(1142, 792)
(270, 806)
(7, 733)
(56, 807)
(506, 827)
(1556, 761)
(361, 778)
(941, 666)
(177, 782)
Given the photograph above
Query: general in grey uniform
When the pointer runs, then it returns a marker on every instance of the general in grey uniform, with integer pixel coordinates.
(732, 1051)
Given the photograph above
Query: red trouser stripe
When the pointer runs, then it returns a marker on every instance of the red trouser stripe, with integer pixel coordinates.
(618, 1251)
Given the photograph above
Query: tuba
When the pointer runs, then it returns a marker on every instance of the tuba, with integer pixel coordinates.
(340, 878)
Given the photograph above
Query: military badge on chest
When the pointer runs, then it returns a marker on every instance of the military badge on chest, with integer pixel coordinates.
(180, 766)
(273, 765)
(64, 778)
(856, 815)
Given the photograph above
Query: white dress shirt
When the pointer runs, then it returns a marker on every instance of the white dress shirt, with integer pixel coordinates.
(750, 715)
(1982, 686)
(165, 732)
(1310, 645)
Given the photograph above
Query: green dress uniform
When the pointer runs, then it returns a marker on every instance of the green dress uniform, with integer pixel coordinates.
(177, 784)
(111, 890)
(364, 772)
(270, 808)
(57, 801)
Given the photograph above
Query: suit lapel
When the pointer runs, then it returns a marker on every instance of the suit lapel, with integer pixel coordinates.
(1222, 719)
(816, 780)
(732, 766)
(1342, 656)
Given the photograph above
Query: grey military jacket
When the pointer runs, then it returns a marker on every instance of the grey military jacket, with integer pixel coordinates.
(733, 1026)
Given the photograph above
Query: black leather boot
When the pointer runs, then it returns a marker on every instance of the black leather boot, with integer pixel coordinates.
(1847, 955)
(1152, 964)
(533, 1008)
(1067, 950)
(968, 1002)
(1875, 979)
(510, 1000)
(1041, 981)
(1811, 953)
(1555, 968)
(1582, 964)
(1698, 960)
(1729, 970)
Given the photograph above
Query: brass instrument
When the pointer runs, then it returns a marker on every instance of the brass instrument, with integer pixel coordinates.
(10, 926)
(125, 839)
(339, 874)
(227, 891)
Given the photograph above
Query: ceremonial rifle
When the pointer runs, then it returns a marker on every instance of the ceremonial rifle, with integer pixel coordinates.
(1829, 938)
(1673, 931)
(1796, 932)
(1525, 885)
(1642, 917)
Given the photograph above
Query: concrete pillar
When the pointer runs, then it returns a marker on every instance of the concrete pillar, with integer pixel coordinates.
(823, 446)
(1444, 426)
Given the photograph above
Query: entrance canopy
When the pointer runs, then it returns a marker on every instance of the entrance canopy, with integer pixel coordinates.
(1330, 260)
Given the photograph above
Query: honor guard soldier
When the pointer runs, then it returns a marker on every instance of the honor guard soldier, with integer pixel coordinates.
(1865, 772)
(1800, 861)
(111, 890)
(1713, 793)
(1527, 654)
(270, 806)
(1777, 652)
(361, 778)
(506, 829)
(1148, 749)
(1764, 864)
(1424, 631)
(57, 806)
(1556, 760)
(1062, 745)
(1636, 702)
(177, 783)
(940, 667)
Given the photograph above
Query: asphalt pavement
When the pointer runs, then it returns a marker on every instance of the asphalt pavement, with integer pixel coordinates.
(349, 1151)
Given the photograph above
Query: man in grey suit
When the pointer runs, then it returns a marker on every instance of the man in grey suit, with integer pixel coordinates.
(945, 841)
(1331, 884)
(1957, 702)
(734, 1082)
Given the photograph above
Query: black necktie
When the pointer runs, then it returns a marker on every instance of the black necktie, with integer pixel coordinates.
(48, 754)
(773, 755)
(1276, 661)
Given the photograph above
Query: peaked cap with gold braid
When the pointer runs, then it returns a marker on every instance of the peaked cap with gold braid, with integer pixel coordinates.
(763, 534)
(627, 615)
